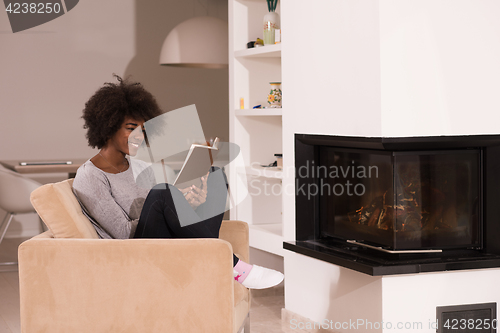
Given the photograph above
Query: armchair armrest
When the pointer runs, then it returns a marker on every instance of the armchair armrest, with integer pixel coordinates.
(236, 233)
(133, 285)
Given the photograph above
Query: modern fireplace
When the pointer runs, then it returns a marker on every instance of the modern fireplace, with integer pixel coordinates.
(398, 205)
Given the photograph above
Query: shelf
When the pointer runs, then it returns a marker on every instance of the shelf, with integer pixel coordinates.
(243, 1)
(267, 51)
(258, 112)
(266, 172)
(267, 237)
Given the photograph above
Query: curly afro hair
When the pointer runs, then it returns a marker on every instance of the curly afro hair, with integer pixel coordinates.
(106, 110)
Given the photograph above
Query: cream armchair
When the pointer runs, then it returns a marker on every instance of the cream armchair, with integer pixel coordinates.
(71, 281)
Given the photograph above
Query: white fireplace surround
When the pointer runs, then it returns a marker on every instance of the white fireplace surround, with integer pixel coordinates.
(385, 68)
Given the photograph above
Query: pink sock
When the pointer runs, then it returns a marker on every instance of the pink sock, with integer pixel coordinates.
(242, 268)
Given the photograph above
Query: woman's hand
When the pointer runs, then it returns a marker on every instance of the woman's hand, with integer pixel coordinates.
(196, 196)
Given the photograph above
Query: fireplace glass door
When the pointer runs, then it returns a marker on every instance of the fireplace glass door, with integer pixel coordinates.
(400, 200)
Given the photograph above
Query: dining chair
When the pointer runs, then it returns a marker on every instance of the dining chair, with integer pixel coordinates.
(15, 190)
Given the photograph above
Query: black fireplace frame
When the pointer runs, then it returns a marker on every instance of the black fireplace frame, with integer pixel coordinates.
(309, 242)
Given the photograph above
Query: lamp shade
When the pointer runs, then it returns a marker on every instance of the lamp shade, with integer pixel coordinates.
(198, 42)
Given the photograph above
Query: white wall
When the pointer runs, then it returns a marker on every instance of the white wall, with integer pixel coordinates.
(414, 298)
(382, 68)
(331, 85)
(330, 66)
(47, 73)
(320, 291)
(439, 67)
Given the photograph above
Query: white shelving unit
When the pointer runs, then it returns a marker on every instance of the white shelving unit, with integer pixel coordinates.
(258, 132)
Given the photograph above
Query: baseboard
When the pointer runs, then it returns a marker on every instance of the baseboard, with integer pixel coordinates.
(292, 322)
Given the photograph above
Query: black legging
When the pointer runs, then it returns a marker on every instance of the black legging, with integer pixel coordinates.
(167, 214)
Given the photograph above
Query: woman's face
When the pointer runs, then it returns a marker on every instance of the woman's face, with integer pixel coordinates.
(129, 137)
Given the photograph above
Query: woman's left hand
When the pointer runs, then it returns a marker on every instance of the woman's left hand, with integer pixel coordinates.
(196, 196)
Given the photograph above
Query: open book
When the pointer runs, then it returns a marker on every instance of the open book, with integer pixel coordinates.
(196, 165)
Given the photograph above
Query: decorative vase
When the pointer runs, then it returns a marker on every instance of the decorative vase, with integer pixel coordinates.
(271, 23)
(274, 97)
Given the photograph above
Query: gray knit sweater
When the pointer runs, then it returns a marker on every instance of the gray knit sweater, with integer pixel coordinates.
(113, 202)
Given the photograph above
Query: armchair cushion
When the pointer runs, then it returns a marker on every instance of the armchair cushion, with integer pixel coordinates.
(59, 209)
